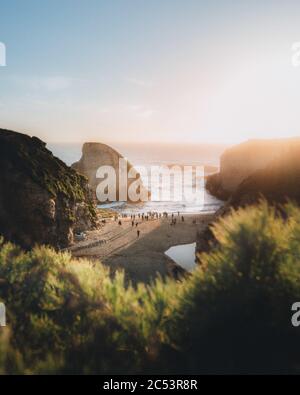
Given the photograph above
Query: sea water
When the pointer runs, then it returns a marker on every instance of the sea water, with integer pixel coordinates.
(183, 255)
(148, 156)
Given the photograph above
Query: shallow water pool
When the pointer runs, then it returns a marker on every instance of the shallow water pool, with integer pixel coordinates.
(183, 255)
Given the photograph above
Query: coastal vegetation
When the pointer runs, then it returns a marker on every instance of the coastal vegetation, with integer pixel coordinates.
(43, 201)
(232, 315)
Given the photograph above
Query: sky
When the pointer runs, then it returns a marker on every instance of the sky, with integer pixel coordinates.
(183, 71)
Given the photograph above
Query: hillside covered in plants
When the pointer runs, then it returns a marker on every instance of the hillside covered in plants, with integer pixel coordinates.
(232, 315)
(42, 200)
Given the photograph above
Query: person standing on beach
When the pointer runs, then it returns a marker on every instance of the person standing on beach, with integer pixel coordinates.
(132, 223)
(138, 233)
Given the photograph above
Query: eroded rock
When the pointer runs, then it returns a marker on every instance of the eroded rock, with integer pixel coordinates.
(96, 155)
(42, 200)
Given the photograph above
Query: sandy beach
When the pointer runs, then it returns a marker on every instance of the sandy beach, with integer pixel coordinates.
(143, 257)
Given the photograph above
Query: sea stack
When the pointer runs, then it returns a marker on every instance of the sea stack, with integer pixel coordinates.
(42, 200)
(96, 155)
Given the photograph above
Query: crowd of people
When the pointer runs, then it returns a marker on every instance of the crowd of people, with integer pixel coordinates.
(136, 219)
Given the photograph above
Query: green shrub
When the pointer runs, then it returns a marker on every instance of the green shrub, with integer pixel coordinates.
(70, 316)
(233, 315)
(235, 312)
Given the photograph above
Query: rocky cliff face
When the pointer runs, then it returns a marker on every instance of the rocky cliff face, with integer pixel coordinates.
(239, 162)
(42, 200)
(95, 155)
(278, 183)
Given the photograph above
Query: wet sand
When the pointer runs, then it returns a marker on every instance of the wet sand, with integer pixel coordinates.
(142, 258)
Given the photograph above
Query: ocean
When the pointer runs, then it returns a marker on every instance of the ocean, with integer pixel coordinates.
(148, 155)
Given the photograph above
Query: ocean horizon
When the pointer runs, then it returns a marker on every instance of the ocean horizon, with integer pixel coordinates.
(156, 154)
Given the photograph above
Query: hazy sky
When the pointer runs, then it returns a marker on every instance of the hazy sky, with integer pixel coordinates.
(150, 70)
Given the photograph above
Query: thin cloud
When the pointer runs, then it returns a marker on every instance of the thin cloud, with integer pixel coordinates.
(53, 84)
(47, 83)
(146, 114)
(141, 111)
(141, 83)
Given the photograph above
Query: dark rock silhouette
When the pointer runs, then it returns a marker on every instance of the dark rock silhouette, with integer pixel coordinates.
(278, 182)
(239, 162)
(42, 200)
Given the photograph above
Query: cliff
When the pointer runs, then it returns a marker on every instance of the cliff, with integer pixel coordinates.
(95, 155)
(42, 200)
(278, 182)
(239, 162)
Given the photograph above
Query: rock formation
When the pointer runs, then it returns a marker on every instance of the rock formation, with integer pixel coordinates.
(95, 155)
(277, 182)
(42, 200)
(239, 162)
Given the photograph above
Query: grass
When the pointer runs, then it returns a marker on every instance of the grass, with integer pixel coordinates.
(233, 315)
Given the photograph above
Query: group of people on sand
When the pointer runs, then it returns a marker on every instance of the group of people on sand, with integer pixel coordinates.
(174, 220)
(133, 223)
(148, 216)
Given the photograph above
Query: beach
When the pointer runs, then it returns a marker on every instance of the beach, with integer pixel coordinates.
(142, 258)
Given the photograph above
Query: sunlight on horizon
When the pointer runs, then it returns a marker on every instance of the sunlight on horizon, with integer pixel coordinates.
(224, 77)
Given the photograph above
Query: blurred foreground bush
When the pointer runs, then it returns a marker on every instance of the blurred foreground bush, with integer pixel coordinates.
(233, 315)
